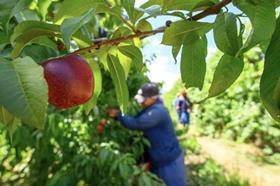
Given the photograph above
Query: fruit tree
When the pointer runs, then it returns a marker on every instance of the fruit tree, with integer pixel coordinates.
(52, 51)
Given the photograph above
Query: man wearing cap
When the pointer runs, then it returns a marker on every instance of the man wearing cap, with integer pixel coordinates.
(154, 120)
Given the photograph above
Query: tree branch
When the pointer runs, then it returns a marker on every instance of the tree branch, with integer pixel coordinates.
(215, 9)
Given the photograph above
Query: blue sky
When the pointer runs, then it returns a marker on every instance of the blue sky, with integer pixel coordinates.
(163, 68)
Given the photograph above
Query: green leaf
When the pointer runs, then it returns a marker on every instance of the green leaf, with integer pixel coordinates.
(144, 25)
(88, 171)
(6, 7)
(202, 5)
(102, 56)
(129, 7)
(277, 3)
(263, 46)
(125, 62)
(43, 6)
(121, 32)
(134, 53)
(133, 14)
(270, 80)
(17, 8)
(45, 41)
(190, 5)
(147, 181)
(104, 8)
(70, 26)
(137, 15)
(26, 31)
(116, 163)
(4, 40)
(97, 84)
(9, 120)
(23, 40)
(262, 16)
(81, 40)
(24, 90)
(104, 155)
(175, 51)
(225, 33)
(178, 14)
(118, 76)
(193, 66)
(174, 4)
(151, 3)
(124, 170)
(74, 8)
(174, 35)
(27, 14)
(123, 59)
(154, 10)
(21, 5)
(26, 26)
(180, 4)
(39, 53)
(227, 71)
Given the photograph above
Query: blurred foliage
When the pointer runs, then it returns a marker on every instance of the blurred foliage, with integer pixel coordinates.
(70, 151)
(237, 114)
(206, 171)
(212, 174)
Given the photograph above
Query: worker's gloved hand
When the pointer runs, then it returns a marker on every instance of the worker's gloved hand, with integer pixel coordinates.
(112, 112)
(147, 166)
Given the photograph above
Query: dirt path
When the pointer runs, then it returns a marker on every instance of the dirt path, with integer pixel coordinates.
(235, 158)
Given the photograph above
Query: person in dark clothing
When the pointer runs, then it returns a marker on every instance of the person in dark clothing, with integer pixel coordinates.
(176, 105)
(154, 120)
(183, 107)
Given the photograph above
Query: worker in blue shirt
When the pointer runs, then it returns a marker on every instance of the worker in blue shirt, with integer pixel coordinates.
(184, 107)
(154, 120)
(176, 105)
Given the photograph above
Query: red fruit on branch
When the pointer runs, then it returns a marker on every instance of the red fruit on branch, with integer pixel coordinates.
(70, 81)
(99, 128)
(103, 122)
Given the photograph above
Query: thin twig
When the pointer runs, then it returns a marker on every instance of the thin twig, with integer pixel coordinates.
(215, 9)
(128, 24)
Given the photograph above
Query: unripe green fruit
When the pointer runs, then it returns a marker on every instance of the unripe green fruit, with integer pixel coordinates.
(70, 81)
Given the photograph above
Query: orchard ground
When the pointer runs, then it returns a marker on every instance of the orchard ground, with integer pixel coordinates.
(238, 160)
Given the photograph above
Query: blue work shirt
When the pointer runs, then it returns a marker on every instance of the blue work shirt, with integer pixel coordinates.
(157, 126)
(175, 103)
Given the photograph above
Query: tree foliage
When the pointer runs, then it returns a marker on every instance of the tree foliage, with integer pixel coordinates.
(71, 150)
(111, 32)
